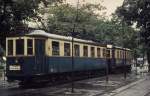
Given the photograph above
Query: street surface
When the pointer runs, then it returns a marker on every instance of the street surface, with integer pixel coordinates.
(138, 88)
(90, 87)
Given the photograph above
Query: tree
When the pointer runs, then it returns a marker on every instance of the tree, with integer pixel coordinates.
(63, 17)
(14, 15)
(117, 33)
(137, 12)
(90, 25)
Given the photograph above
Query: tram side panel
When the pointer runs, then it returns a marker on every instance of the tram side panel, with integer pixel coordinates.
(64, 64)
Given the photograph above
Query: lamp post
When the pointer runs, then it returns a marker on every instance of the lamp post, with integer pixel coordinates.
(108, 47)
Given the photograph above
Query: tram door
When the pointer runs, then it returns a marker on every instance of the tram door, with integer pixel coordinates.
(40, 58)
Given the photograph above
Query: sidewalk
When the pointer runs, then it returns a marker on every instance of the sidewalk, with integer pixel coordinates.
(138, 88)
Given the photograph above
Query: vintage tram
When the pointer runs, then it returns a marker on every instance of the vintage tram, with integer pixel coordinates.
(43, 56)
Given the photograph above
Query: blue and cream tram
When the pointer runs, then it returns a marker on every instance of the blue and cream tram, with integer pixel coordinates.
(43, 55)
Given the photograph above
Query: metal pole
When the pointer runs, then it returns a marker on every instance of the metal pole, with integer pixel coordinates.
(143, 65)
(124, 57)
(125, 74)
(72, 75)
(136, 65)
(73, 33)
(107, 71)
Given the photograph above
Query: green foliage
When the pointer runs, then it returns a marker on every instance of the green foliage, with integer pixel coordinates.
(13, 12)
(63, 18)
(90, 25)
(14, 15)
(137, 12)
(116, 32)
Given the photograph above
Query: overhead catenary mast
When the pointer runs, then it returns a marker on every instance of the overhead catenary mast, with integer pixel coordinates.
(73, 34)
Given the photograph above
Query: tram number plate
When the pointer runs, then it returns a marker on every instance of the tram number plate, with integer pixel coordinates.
(14, 67)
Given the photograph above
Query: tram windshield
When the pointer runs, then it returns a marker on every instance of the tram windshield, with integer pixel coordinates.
(10, 47)
(17, 47)
(20, 47)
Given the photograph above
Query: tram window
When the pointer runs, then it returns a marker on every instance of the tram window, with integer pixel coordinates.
(76, 50)
(130, 55)
(118, 54)
(10, 47)
(104, 53)
(126, 54)
(85, 51)
(98, 52)
(92, 52)
(66, 49)
(20, 47)
(108, 53)
(30, 46)
(55, 48)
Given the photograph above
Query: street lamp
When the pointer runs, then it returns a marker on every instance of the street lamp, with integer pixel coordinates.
(108, 48)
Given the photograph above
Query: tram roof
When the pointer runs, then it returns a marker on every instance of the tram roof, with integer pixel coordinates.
(122, 48)
(42, 33)
(55, 36)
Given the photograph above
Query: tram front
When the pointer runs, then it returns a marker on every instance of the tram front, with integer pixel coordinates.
(20, 57)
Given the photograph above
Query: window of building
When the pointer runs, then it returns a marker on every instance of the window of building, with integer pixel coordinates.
(98, 52)
(92, 52)
(10, 47)
(85, 51)
(29, 46)
(20, 47)
(55, 48)
(67, 49)
(77, 50)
